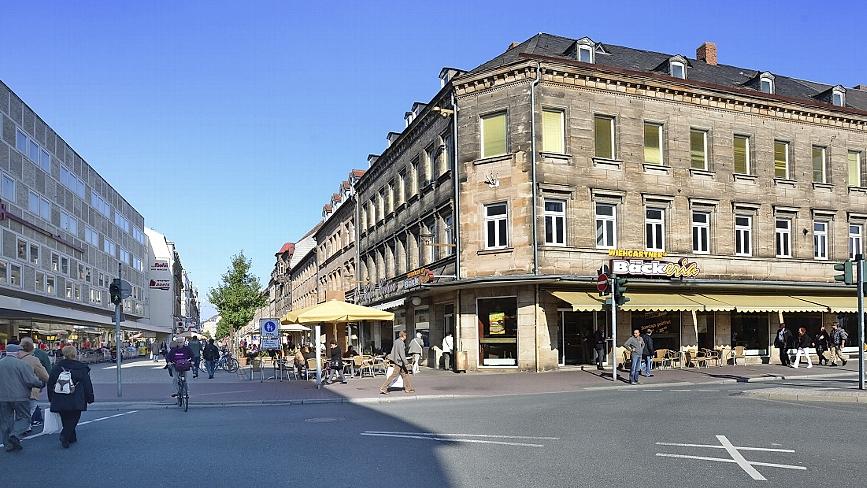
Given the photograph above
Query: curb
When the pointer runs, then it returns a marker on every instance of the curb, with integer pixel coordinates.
(762, 379)
(824, 396)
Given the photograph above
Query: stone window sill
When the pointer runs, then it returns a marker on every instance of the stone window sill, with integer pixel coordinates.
(656, 169)
(823, 186)
(499, 250)
(785, 183)
(702, 173)
(493, 159)
(858, 189)
(559, 158)
(606, 163)
(751, 179)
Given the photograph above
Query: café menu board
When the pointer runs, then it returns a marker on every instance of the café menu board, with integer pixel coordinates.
(497, 323)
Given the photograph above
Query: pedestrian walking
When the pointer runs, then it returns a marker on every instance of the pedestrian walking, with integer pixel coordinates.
(335, 363)
(820, 342)
(635, 345)
(17, 380)
(26, 355)
(803, 343)
(400, 365)
(599, 347)
(448, 347)
(647, 353)
(195, 346)
(69, 391)
(211, 355)
(416, 348)
(838, 342)
(783, 341)
(42, 356)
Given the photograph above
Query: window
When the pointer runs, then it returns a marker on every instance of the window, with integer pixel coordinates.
(55, 262)
(496, 226)
(854, 168)
(701, 232)
(138, 235)
(69, 180)
(838, 97)
(39, 205)
(677, 69)
(781, 160)
(49, 285)
(102, 282)
(21, 141)
(81, 271)
(64, 265)
(109, 247)
(414, 181)
(121, 221)
(447, 154)
(380, 204)
(698, 149)
(137, 264)
(604, 137)
(100, 205)
(91, 236)
(7, 187)
(783, 238)
(68, 291)
(498, 331)
(390, 202)
(553, 131)
(32, 151)
(819, 164)
(430, 155)
(69, 223)
(124, 256)
(494, 135)
(401, 187)
(34, 254)
(585, 54)
(606, 226)
(21, 249)
(766, 84)
(15, 275)
(654, 225)
(45, 161)
(4, 270)
(39, 282)
(820, 240)
(743, 235)
(555, 222)
(653, 143)
(447, 237)
(856, 232)
(741, 149)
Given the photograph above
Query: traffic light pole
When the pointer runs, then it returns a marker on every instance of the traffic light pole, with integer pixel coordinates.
(860, 262)
(613, 281)
(117, 335)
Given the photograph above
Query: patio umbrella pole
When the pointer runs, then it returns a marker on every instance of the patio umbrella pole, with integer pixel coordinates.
(318, 359)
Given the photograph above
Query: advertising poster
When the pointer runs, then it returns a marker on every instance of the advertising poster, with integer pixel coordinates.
(497, 321)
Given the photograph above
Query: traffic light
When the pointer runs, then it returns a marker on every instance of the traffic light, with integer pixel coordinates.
(620, 290)
(114, 291)
(846, 276)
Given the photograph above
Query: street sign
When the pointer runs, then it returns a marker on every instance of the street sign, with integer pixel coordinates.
(602, 283)
(270, 330)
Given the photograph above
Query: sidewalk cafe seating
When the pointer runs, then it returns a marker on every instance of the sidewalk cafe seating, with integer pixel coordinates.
(692, 358)
(674, 357)
(311, 369)
(257, 367)
(738, 353)
(661, 358)
(711, 355)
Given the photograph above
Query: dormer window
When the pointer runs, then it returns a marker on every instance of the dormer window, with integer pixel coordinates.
(838, 97)
(586, 50)
(766, 83)
(677, 69)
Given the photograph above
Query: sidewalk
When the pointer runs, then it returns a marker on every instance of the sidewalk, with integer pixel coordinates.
(147, 385)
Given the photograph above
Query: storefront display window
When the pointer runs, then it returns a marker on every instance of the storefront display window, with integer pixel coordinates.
(706, 326)
(665, 327)
(422, 324)
(751, 330)
(498, 331)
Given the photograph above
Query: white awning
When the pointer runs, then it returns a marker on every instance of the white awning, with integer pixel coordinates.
(389, 305)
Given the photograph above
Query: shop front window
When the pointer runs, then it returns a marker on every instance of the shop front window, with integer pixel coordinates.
(751, 330)
(498, 331)
(665, 327)
(706, 326)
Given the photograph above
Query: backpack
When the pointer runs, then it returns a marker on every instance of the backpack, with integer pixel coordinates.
(842, 335)
(64, 384)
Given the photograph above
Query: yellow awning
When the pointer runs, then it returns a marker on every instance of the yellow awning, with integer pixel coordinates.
(581, 301)
(661, 302)
(710, 304)
(836, 304)
(767, 303)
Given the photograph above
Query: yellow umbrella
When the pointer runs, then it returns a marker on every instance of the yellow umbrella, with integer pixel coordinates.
(291, 317)
(335, 312)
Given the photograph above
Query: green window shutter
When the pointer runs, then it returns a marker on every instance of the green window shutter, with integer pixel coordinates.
(494, 135)
(552, 131)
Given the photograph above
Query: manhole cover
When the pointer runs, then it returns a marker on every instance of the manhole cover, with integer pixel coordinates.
(323, 420)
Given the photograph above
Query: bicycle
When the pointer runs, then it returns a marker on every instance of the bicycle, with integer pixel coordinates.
(183, 390)
(227, 363)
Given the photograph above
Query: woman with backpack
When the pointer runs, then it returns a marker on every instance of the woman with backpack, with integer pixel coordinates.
(69, 391)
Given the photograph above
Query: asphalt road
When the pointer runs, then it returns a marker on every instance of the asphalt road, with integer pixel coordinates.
(627, 437)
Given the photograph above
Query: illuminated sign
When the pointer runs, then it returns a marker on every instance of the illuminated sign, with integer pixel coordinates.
(636, 253)
(682, 268)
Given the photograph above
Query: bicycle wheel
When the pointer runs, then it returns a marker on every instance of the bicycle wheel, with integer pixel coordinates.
(231, 365)
(181, 393)
(186, 399)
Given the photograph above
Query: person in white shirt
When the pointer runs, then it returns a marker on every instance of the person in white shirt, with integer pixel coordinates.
(448, 346)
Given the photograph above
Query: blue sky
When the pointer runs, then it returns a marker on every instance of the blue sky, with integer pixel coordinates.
(229, 124)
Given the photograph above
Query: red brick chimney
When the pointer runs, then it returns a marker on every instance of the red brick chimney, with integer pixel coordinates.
(707, 53)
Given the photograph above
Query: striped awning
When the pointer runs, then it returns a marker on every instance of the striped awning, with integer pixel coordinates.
(581, 301)
(767, 303)
(835, 304)
(661, 302)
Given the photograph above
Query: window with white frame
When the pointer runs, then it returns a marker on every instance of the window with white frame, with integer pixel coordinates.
(447, 235)
(39, 205)
(69, 223)
(69, 180)
(138, 235)
(743, 235)
(91, 236)
(653, 143)
(606, 226)
(34, 254)
(766, 84)
(700, 232)
(854, 161)
(781, 160)
(64, 265)
(15, 275)
(838, 97)
(555, 222)
(677, 69)
(586, 53)
(553, 131)
(654, 229)
(820, 239)
(741, 150)
(109, 247)
(604, 136)
(493, 135)
(49, 285)
(101, 206)
(21, 249)
(55, 262)
(856, 239)
(124, 256)
(21, 141)
(137, 264)
(7, 187)
(496, 226)
(698, 149)
(121, 221)
(820, 169)
(68, 291)
(33, 151)
(783, 238)
(39, 282)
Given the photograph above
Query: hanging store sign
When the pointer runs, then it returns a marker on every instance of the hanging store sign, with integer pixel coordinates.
(160, 284)
(160, 265)
(682, 268)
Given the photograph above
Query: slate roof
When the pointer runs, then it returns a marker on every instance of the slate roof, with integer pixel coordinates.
(648, 61)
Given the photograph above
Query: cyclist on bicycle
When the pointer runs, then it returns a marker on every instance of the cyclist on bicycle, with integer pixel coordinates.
(179, 358)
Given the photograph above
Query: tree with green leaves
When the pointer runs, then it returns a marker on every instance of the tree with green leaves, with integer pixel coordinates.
(237, 297)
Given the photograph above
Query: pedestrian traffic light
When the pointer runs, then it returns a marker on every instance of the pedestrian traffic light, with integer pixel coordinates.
(620, 290)
(846, 276)
(114, 291)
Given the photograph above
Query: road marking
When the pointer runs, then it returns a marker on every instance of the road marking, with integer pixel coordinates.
(739, 458)
(34, 436)
(652, 390)
(722, 447)
(452, 439)
(223, 392)
(490, 436)
(708, 391)
(725, 460)
(680, 390)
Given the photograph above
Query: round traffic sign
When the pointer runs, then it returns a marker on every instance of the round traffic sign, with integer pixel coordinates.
(602, 282)
(270, 326)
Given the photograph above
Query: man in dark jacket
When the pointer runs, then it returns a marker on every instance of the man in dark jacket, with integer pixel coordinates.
(647, 354)
(70, 401)
(400, 365)
(820, 342)
(16, 380)
(336, 363)
(196, 348)
(599, 347)
(211, 355)
(783, 341)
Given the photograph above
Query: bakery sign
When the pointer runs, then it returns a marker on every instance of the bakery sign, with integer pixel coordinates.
(160, 265)
(160, 284)
(654, 268)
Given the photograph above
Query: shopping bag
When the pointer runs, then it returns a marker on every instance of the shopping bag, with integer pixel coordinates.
(397, 382)
(52, 423)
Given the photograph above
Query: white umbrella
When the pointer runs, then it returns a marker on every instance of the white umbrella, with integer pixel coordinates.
(293, 328)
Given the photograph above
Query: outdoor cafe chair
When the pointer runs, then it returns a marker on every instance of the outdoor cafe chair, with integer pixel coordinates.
(661, 358)
(311, 368)
(738, 353)
(711, 355)
(692, 357)
(257, 367)
(364, 363)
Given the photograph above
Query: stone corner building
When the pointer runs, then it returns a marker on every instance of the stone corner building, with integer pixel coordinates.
(724, 194)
